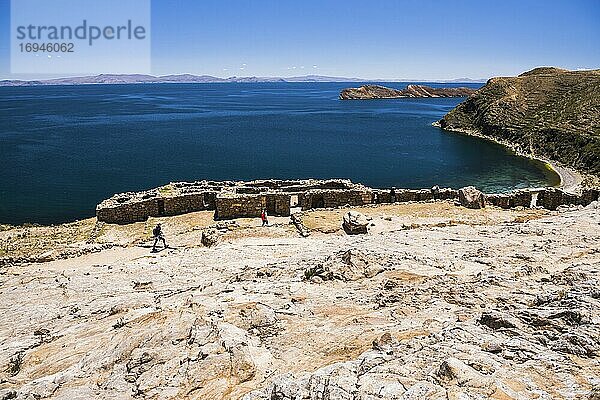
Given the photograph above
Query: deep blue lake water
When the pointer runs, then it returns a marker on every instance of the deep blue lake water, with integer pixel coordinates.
(65, 148)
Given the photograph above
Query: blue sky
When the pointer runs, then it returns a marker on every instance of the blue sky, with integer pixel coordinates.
(385, 39)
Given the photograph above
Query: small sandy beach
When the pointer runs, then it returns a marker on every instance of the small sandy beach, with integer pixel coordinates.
(569, 178)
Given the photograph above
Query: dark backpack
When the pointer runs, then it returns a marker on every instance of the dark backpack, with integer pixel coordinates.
(156, 231)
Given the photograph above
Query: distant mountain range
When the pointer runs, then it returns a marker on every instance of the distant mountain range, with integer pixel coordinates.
(463, 80)
(188, 78)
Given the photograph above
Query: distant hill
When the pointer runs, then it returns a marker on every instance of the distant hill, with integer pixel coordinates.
(548, 112)
(183, 78)
(320, 78)
(189, 78)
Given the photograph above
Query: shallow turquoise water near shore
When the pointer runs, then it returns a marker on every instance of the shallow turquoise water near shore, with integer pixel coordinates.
(65, 148)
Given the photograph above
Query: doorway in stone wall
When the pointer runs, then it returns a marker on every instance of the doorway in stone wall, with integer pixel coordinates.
(161, 207)
(270, 206)
(294, 207)
(317, 202)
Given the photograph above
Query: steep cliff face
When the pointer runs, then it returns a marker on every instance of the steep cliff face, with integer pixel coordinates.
(367, 92)
(547, 112)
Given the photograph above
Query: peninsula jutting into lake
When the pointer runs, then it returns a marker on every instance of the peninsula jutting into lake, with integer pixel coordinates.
(547, 112)
(368, 92)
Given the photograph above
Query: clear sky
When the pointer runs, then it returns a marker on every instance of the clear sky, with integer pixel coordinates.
(383, 39)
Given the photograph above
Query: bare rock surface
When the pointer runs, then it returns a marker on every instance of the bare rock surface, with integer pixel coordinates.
(346, 265)
(355, 223)
(507, 308)
(470, 197)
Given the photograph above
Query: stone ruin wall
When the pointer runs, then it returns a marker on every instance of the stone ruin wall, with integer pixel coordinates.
(229, 199)
(331, 198)
(190, 202)
(231, 206)
(548, 198)
(232, 200)
(125, 213)
(278, 204)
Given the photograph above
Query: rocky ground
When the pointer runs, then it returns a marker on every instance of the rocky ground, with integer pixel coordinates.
(435, 302)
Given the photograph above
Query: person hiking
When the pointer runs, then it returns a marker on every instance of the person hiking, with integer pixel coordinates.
(158, 235)
(263, 217)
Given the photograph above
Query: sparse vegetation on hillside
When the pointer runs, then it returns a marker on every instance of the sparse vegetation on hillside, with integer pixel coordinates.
(547, 112)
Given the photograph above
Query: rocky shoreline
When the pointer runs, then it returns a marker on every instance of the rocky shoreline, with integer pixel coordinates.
(548, 113)
(571, 180)
(370, 92)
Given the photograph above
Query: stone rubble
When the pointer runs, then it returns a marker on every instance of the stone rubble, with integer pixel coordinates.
(355, 223)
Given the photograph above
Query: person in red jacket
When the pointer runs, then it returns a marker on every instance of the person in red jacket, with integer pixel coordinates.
(263, 217)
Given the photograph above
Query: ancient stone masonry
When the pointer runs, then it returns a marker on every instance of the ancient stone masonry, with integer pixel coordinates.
(234, 199)
(129, 207)
(331, 198)
(232, 205)
(548, 198)
(172, 199)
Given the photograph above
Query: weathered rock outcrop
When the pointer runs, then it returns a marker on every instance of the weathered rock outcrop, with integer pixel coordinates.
(348, 265)
(210, 237)
(547, 112)
(355, 223)
(381, 92)
(470, 197)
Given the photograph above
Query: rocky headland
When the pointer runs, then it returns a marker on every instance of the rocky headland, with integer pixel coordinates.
(547, 113)
(368, 92)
